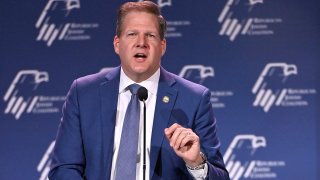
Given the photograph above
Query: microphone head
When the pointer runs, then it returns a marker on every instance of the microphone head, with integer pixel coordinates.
(142, 93)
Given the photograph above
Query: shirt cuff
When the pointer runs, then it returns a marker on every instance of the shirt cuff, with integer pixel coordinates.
(199, 174)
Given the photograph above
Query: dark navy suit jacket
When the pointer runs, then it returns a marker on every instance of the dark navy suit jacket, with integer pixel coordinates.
(84, 144)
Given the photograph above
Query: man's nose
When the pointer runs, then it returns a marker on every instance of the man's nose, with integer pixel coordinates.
(142, 41)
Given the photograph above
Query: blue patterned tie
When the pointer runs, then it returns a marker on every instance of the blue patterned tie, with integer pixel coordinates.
(127, 156)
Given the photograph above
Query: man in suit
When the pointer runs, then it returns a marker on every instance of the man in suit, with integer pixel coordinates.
(180, 128)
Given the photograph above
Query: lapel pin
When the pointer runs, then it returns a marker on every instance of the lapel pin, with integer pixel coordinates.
(165, 99)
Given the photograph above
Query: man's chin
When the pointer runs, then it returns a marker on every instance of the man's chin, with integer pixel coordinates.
(140, 68)
(142, 73)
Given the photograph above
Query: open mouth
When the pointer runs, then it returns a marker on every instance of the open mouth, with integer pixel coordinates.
(140, 55)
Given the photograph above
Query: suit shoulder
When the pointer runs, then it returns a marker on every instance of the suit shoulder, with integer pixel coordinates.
(94, 80)
(91, 80)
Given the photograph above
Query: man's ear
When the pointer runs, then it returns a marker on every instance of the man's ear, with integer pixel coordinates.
(116, 41)
(163, 46)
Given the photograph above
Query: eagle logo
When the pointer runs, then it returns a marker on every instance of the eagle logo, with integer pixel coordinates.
(268, 89)
(234, 17)
(196, 73)
(20, 96)
(51, 23)
(240, 153)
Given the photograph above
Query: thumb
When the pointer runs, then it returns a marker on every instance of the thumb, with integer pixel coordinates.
(167, 133)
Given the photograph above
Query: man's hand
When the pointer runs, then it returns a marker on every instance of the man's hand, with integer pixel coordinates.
(185, 143)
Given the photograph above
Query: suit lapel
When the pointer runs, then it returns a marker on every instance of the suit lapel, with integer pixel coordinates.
(166, 97)
(109, 96)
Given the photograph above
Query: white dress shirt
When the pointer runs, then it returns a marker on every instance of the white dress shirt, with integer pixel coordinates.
(124, 97)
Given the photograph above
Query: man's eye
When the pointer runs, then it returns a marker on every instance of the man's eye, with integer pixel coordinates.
(131, 34)
(151, 35)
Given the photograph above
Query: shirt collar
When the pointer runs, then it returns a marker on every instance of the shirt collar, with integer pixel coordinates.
(151, 84)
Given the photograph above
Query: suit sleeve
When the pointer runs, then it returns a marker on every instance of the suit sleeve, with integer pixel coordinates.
(205, 127)
(68, 160)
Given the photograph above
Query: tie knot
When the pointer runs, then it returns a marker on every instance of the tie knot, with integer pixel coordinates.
(134, 88)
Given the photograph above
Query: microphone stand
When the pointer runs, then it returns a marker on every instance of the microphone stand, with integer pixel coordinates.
(144, 140)
(143, 96)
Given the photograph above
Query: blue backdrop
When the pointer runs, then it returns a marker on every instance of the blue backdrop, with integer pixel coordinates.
(259, 58)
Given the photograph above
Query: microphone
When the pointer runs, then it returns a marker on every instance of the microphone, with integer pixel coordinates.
(143, 96)
(142, 93)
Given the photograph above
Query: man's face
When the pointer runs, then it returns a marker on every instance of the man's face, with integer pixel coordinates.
(139, 45)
